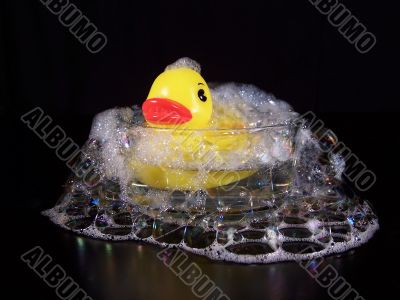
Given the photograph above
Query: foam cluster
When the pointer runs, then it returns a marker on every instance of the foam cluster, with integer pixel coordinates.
(185, 62)
(290, 205)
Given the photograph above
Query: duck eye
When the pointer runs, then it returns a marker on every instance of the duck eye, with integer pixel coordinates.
(201, 95)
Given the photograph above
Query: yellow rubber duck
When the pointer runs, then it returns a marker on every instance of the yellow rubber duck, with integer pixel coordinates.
(180, 100)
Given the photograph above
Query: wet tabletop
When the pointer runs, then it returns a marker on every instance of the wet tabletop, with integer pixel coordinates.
(131, 270)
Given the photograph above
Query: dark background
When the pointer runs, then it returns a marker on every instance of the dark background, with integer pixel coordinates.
(285, 47)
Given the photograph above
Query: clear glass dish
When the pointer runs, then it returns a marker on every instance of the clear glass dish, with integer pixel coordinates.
(234, 168)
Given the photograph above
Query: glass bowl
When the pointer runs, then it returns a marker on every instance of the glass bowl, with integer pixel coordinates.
(231, 168)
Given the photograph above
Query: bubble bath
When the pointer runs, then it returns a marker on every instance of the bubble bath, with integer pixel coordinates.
(254, 186)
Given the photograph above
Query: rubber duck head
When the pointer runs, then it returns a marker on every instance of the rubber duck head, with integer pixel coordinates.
(179, 96)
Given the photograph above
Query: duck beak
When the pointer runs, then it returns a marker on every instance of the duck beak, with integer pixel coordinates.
(165, 112)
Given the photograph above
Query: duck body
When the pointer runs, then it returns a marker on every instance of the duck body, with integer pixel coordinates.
(191, 160)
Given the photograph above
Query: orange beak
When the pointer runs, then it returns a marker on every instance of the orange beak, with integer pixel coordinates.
(164, 111)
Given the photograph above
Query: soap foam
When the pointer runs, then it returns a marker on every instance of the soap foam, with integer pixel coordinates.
(256, 107)
(185, 62)
(123, 133)
(220, 252)
(119, 135)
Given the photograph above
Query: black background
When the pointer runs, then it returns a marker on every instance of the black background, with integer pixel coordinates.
(284, 47)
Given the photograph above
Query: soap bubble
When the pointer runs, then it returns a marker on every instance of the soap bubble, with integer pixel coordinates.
(185, 62)
(257, 190)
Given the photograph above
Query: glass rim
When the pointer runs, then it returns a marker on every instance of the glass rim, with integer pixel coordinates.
(288, 124)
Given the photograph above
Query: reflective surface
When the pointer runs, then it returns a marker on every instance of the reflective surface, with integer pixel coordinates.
(227, 228)
(131, 270)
